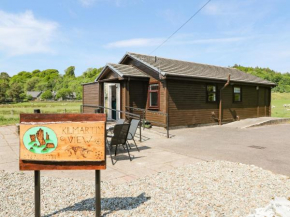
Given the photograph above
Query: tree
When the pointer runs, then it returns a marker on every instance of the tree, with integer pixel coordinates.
(4, 85)
(47, 95)
(70, 72)
(15, 91)
(23, 96)
(4, 76)
(42, 86)
(29, 97)
(48, 72)
(92, 73)
(63, 93)
(35, 72)
(31, 83)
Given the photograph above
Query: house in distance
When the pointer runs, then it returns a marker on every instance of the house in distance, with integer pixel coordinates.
(190, 93)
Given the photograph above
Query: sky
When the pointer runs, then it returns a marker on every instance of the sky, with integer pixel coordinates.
(90, 33)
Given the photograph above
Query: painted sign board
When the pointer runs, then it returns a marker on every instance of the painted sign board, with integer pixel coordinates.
(62, 141)
(71, 141)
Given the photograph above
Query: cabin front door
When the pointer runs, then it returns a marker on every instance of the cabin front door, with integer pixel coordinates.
(112, 100)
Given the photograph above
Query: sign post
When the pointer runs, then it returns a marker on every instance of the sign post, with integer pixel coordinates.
(98, 193)
(63, 142)
(37, 197)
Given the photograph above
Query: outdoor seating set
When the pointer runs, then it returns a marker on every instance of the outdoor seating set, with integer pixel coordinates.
(120, 135)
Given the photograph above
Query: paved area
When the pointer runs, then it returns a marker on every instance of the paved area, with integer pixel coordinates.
(148, 161)
(267, 147)
(250, 122)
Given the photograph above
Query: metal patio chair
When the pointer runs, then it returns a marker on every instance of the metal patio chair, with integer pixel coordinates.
(118, 138)
(120, 121)
(132, 131)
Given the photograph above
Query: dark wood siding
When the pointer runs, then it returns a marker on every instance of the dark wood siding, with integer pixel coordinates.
(137, 90)
(91, 96)
(188, 106)
(138, 96)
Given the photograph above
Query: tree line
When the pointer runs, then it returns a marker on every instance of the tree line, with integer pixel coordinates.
(48, 81)
(282, 80)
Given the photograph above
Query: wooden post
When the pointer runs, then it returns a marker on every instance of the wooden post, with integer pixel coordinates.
(258, 102)
(72, 162)
(37, 186)
(37, 193)
(98, 193)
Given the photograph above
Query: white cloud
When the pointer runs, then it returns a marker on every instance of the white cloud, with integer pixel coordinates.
(24, 34)
(212, 9)
(87, 3)
(135, 42)
(146, 42)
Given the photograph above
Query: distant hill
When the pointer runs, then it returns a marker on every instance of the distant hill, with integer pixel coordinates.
(48, 81)
(282, 80)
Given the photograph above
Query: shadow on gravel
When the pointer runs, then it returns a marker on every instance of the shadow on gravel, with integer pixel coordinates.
(109, 205)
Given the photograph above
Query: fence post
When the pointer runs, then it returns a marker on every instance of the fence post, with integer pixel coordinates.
(167, 125)
(143, 119)
(81, 109)
(140, 128)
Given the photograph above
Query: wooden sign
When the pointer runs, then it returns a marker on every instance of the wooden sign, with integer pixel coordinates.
(79, 141)
(73, 142)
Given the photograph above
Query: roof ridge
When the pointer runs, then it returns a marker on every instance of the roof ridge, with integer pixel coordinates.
(184, 61)
(168, 67)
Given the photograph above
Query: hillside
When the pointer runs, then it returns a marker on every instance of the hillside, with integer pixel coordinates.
(48, 81)
(282, 80)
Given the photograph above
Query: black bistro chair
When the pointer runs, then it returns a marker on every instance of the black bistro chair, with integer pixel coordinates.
(132, 131)
(119, 138)
(119, 121)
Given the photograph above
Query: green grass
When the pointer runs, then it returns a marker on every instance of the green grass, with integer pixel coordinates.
(278, 100)
(9, 113)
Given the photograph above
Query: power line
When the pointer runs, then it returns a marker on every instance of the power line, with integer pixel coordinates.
(180, 27)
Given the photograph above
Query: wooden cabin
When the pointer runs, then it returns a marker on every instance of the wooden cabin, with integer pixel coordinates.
(190, 93)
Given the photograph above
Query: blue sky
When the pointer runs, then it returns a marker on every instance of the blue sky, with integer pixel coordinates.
(89, 33)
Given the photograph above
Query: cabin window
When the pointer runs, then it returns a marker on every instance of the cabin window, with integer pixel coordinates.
(211, 93)
(153, 96)
(237, 94)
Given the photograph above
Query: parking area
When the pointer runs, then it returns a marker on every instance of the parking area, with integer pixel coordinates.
(267, 147)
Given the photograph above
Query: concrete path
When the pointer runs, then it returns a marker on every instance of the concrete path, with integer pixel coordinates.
(267, 147)
(246, 123)
(148, 161)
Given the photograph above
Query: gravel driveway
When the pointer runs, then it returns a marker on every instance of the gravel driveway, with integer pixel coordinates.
(217, 188)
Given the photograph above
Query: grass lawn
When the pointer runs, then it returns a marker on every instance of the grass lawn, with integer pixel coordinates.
(9, 113)
(278, 100)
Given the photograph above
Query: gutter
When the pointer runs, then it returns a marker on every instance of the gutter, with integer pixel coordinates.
(172, 76)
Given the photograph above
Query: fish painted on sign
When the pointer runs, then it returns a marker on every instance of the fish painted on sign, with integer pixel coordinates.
(40, 140)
